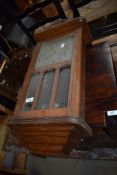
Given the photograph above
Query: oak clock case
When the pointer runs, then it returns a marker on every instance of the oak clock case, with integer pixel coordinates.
(49, 114)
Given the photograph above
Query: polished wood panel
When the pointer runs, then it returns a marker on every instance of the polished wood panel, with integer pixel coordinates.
(101, 87)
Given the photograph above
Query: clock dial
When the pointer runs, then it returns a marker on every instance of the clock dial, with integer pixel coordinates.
(54, 51)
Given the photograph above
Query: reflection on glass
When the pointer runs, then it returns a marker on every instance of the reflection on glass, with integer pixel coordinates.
(30, 93)
(54, 51)
(45, 92)
(63, 88)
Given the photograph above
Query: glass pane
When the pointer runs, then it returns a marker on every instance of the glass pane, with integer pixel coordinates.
(45, 92)
(63, 88)
(30, 93)
(54, 51)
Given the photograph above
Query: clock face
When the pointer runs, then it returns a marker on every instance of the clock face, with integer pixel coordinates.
(54, 51)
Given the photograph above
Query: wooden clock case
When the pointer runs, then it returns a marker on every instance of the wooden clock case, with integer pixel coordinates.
(50, 129)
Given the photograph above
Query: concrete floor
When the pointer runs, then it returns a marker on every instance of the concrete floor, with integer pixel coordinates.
(58, 166)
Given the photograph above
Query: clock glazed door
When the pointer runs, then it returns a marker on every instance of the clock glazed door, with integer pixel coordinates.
(51, 75)
(48, 87)
(54, 85)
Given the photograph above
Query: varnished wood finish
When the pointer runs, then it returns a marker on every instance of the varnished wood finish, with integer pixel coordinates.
(101, 88)
(101, 95)
(67, 122)
(38, 87)
(52, 66)
(63, 28)
(54, 89)
(76, 76)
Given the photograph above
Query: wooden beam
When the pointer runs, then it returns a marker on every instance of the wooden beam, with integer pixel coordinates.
(7, 94)
(5, 109)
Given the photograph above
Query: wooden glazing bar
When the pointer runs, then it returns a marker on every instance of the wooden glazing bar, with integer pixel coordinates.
(54, 89)
(37, 90)
(52, 66)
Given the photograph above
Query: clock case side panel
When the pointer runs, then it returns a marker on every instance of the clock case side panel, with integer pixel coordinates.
(76, 107)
